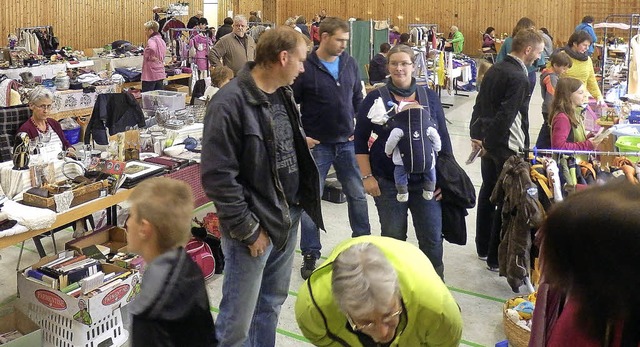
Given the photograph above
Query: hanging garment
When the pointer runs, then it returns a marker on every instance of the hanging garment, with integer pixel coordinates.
(516, 197)
(201, 43)
(113, 112)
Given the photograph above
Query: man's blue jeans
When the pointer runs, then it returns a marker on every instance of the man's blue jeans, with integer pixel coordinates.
(343, 157)
(426, 214)
(253, 290)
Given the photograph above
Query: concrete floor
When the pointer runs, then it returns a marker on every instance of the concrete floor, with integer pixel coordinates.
(479, 292)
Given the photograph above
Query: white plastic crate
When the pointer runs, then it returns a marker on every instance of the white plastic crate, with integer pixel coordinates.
(171, 100)
(60, 331)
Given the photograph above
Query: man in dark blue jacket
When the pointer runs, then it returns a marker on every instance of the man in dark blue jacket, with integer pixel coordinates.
(330, 93)
(500, 126)
(378, 69)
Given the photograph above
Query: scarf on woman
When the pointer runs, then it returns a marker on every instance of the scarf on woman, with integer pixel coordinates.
(575, 55)
(402, 91)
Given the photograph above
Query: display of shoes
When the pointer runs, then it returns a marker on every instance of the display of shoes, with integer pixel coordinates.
(308, 265)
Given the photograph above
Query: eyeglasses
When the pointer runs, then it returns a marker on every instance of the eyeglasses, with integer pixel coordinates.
(400, 63)
(388, 320)
(45, 107)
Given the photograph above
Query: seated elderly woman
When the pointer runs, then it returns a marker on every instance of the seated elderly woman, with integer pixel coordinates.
(40, 126)
(375, 290)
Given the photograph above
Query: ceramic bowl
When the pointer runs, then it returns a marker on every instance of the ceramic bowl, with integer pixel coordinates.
(174, 150)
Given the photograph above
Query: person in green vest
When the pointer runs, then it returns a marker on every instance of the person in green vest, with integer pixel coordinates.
(376, 290)
(457, 39)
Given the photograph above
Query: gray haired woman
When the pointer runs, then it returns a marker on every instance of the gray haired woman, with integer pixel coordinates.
(39, 125)
(375, 290)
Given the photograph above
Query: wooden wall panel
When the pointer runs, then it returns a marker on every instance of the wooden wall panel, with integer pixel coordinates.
(93, 23)
(472, 17)
(85, 23)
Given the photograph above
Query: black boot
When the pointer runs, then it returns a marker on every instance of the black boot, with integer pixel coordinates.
(308, 265)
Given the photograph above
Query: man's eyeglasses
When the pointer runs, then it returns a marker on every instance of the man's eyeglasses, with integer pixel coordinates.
(400, 63)
(45, 107)
(388, 320)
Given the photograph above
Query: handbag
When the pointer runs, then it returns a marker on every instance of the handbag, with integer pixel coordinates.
(202, 255)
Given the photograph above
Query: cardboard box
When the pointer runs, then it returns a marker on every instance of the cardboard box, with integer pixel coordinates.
(177, 88)
(84, 309)
(14, 319)
(113, 237)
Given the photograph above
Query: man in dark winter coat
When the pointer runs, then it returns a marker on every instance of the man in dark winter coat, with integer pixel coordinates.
(500, 126)
(225, 28)
(378, 69)
(260, 175)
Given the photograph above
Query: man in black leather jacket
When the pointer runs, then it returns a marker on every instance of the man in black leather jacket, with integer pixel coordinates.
(500, 126)
(260, 175)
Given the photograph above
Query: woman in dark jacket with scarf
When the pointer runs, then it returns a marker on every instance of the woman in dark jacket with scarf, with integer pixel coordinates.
(377, 169)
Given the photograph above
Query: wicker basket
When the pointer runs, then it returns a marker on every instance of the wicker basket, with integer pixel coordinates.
(517, 335)
(80, 196)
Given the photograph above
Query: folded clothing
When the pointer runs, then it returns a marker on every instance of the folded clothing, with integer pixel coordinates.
(31, 217)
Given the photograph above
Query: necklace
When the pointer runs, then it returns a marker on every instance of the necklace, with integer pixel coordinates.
(46, 126)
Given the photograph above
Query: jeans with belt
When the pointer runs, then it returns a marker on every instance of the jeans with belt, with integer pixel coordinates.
(254, 289)
(342, 156)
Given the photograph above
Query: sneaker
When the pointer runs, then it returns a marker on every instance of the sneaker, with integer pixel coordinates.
(403, 197)
(493, 269)
(427, 195)
(308, 265)
(482, 257)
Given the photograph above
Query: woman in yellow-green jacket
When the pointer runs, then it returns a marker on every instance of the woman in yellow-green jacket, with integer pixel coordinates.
(375, 290)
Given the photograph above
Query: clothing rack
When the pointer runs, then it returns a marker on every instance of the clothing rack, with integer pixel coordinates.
(18, 30)
(172, 32)
(633, 21)
(267, 24)
(426, 26)
(568, 151)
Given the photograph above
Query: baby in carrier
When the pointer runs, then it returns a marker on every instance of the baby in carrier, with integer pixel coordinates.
(413, 145)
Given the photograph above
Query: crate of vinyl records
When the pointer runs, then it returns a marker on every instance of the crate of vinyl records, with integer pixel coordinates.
(76, 300)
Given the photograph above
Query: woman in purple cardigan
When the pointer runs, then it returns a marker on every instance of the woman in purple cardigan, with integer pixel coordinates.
(39, 125)
(153, 58)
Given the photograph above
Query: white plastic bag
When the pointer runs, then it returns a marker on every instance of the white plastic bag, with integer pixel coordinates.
(378, 112)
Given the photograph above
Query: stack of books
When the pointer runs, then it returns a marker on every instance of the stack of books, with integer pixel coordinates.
(75, 275)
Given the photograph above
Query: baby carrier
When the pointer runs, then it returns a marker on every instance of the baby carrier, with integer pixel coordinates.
(415, 146)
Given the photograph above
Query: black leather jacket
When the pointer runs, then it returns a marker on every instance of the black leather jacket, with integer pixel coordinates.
(504, 93)
(238, 164)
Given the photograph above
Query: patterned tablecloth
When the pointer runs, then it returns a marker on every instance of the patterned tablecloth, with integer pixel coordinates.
(45, 71)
